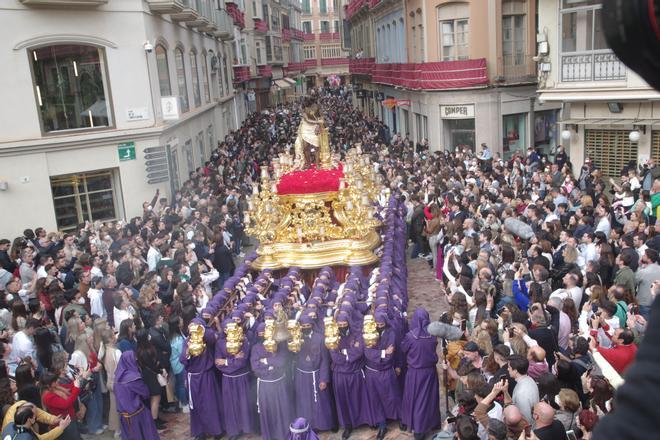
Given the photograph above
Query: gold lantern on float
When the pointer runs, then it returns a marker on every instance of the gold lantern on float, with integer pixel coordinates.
(270, 344)
(369, 331)
(196, 344)
(331, 333)
(234, 338)
(294, 342)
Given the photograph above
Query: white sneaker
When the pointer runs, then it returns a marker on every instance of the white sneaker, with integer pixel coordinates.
(185, 409)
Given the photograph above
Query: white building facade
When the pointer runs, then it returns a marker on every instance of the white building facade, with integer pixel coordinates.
(609, 113)
(93, 89)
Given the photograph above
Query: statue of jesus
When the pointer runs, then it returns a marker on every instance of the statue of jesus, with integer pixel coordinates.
(312, 147)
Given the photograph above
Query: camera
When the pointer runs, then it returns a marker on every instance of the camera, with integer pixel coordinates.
(148, 47)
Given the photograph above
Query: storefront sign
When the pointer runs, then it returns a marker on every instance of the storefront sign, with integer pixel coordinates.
(170, 106)
(457, 111)
(126, 151)
(403, 102)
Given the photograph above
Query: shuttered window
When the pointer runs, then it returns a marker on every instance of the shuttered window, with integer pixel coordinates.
(655, 146)
(611, 150)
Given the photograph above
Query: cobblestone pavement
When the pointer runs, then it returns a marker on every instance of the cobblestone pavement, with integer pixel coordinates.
(423, 291)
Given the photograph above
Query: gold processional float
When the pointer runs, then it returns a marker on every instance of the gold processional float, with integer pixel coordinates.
(311, 229)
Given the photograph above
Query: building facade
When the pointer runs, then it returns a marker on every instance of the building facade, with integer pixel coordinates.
(458, 73)
(609, 113)
(324, 59)
(108, 102)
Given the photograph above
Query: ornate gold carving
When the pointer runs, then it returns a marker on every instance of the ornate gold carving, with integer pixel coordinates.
(331, 333)
(196, 344)
(234, 338)
(369, 331)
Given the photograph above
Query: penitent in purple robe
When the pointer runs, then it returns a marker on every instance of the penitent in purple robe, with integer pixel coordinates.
(130, 393)
(204, 392)
(382, 382)
(348, 381)
(238, 399)
(312, 367)
(274, 403)
(420, 407)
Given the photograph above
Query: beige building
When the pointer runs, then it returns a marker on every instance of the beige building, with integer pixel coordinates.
(459, 73)
(107, 101)
(609, 113)
(323, 56)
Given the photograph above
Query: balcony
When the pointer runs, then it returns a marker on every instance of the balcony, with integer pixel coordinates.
(204, 19)
(310, 64)
(334, 61)
(309, 37)
(165, 6)
(225, 26)
(188, 13)
(260, 25)
(356, 6)
(424, 76)
(265, 71)
(241, 74)
(66, 3)
(329, 36)
(295, 67)
(286, 35)
(592, 66)
(297, 34)
(236, 14)
(517, 69)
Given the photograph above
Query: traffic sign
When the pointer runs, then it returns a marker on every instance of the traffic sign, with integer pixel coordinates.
(158, 175)
(126, 151)
(151, 156)
(158, 180)
(160, 149)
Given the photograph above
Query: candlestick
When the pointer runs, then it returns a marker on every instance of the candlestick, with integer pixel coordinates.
(255, 190)
(264, 173)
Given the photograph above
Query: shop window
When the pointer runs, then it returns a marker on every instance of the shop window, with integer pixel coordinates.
(83, 197)
(515, 135)
(545, 131)
(163, 71)
(459, 133)
(71, 87)
(611, 150)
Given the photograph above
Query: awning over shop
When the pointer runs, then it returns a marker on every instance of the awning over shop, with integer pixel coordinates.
(290, 81)
(612, 121)
(282, 83)
(564, 95)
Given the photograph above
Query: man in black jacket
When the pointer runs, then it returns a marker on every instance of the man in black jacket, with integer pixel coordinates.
(5, 261)
(223, 261)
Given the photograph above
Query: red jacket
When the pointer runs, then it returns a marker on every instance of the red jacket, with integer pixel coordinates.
(620, 356)
(59, 406)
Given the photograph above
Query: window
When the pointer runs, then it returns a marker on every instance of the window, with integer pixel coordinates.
(323, 6)
(260, 55)
(163, 71)
(585, 54)
(275, 21)
(269, 49)
(309, 52)
(205, 79)
(513, 32)
(255, 10)
(81, 197)
(335, 6)
(325, 26)
(454, 39)
(195, 78)
(335, 26)
(277, 48)
(188, 151)
(201, 148)
(71, 87)
(306, 7)
(307, 27)
(331, 51)
(181, 79)
(209, 133)
(226, 75)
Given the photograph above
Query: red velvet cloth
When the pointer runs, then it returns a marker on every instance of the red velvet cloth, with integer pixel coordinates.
(310, 181)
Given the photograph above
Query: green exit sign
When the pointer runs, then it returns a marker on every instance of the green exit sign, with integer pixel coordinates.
(126, 151)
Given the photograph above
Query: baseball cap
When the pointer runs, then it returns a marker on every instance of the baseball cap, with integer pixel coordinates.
(497, 429)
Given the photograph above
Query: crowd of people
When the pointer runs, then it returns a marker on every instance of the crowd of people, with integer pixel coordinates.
(550, 274)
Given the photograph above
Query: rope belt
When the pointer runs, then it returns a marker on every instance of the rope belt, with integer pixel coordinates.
(237, 375)
(313, 373)
(128, 416)
(190, 399)
(265, 381)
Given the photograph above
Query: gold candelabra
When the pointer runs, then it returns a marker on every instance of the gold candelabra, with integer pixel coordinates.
(234, 338)
(196, 344)
(294, 343)
(331, 333)
(270, 344)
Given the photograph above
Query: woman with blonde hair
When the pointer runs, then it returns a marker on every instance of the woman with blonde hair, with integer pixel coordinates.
(74, 328)
(84, 358)
(569, 404)
(110, 358)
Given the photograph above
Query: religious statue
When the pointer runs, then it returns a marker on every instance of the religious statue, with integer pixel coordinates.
(312, 146)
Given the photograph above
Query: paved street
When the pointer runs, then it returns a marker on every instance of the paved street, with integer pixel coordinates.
(423, 291)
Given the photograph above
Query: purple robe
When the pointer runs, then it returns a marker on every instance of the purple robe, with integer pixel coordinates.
(130, 394)
(204, 392)
(273, 397)
(239, 401)
(312, 366)
(420, 406)
(348, 381)
(382, 382)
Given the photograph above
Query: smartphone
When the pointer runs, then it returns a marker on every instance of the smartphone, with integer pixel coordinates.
(528, 430)
(511, 334)
(464, 325)
(570, 435)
